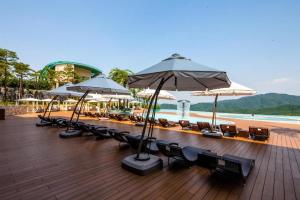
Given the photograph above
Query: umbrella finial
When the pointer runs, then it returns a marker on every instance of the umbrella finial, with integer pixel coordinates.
(176, 56)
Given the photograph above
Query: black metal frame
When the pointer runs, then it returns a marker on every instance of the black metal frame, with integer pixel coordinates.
(150, 131)
(80, 101)
(50, 104)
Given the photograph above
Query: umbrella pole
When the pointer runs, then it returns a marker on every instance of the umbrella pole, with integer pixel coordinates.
(76, 106)
(213, 123)
(156, 93)
(50, 103)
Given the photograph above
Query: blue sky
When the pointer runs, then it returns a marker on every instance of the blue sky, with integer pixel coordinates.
(256, 42)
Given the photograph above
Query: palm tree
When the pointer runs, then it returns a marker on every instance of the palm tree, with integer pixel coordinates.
(21, 70)
(120, 75)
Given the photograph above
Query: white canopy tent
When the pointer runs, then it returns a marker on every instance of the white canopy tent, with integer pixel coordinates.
(235, 89)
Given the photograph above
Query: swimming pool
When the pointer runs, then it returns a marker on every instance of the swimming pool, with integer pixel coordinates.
(267, 118)
(177, 117)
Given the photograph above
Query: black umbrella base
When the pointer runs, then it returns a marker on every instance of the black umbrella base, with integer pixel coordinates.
(142, 167)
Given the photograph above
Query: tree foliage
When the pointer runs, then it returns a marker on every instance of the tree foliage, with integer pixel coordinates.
(7, 60)
(121, 77)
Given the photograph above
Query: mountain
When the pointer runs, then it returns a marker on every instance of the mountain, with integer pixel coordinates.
(271, 103)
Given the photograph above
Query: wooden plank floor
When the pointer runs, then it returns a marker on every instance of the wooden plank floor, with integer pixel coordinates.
(36, 164)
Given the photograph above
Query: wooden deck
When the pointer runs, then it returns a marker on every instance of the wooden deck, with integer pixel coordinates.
(36, 164)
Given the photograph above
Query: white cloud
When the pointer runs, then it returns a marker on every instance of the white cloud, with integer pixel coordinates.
(280, 80)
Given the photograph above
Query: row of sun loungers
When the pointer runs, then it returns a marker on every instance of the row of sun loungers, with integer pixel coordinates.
(256, 133)
(188, 154)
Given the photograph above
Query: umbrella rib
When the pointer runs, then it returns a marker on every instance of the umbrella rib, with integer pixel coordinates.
(219, 79)
(156, 79)
(200, 82)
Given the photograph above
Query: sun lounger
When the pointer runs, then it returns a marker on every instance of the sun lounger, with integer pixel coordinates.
(191, 153)
(149, 143)
(165, 123)
(208, 160)
(133, 118)
(45, 121)
(258, 133)
(203, 126)
(228, 130)
(120, 117)
(139, 119)
(101, 132)
(39, 110)
(236, 165)
(185, 124)
(152, 121)
(171, 151)
(188, 154)
(228, 164)
(120, 136)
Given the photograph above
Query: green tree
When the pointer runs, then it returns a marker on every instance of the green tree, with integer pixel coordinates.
(68, 73)
(7, 60)
(35, 76)
(52, 76)
(21, 70)
(120, 75)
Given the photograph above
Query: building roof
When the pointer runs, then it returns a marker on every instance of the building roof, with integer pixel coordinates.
(94, 70)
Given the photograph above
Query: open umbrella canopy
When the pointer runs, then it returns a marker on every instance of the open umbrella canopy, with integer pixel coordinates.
(70, 101)
(62, 91)
(30, 99)
(179, 73)
(116, 96)
(135, 101)
(46, 100)
(163, 94)
(100, 84)
(235, 89)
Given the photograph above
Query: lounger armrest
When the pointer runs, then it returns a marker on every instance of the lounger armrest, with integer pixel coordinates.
(238, 158)
(173, 143)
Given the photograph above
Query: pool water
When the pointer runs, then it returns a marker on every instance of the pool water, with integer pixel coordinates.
(177, 117)
(267, 118)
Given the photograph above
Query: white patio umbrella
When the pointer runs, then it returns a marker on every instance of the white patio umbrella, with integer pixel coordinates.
(70, 101)
(99, 85)
(173, 73)
(148, 93)
(46, 100)
(28, 100)
(163, 94)
(62, 91)
(134, 101)
(235, 89)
